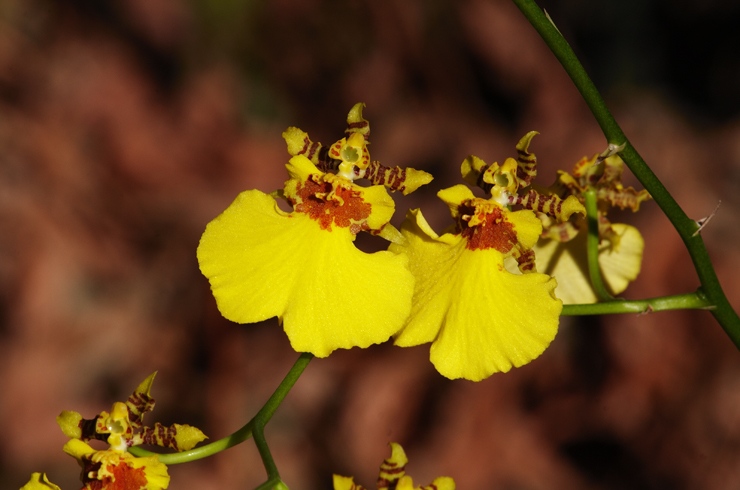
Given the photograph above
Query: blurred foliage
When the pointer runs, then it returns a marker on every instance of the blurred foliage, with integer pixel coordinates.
(127, 125)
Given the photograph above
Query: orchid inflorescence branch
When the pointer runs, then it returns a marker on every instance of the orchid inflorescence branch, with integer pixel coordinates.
(710, 295)
(487, 292)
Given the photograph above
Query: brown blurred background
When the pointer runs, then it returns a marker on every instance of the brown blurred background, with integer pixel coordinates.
(125, 126)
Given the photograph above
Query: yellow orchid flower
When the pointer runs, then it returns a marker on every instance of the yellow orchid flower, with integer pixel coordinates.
(561, 252)
(302, 266)
(113, 469)
(480, 317)
(567, 261)
(393, 475)
(349, 157)
(123, 427)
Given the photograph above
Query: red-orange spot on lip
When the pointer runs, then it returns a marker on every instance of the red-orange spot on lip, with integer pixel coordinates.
(126, 477)
(494, 231)
(347, 209)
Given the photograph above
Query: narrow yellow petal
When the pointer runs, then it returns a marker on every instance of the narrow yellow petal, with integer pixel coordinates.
(77, 449)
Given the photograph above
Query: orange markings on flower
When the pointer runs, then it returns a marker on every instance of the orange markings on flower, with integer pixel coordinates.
(492, 230)
(126, 477)
(329, 203)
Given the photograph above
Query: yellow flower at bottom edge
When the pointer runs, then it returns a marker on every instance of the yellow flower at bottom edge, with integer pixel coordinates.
(393, 475)
(619, 261)
(39, 481)
(117, 470)
(480, 318)
(303, 266)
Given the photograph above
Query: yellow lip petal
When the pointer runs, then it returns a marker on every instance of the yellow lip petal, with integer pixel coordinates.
(427, 254)
(567, 262)
(481, 318)
(262, 262)
(494, 319)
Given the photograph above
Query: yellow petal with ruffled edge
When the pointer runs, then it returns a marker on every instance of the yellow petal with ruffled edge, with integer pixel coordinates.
(567, 262)
(262, 262)
(481, 318)
(39, 481)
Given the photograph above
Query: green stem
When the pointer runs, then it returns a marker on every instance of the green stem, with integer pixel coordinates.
(245, 432)
(273, 476)
(592, 246)
(686, 227)
(678, 302)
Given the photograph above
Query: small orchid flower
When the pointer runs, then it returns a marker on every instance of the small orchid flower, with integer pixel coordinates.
(393, 476)
(302, 266)
(115, 468)
(480, 317)
(562, 250)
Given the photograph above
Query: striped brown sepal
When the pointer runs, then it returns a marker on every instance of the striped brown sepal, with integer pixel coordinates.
(406, 180)
(550, 204)
(178, 437)
(356, 123)
(140, 402)
(346, 483)
(392, 468)
(605, 175)
(525, 259)
(159, 435)
(623, 197)
(526, 162)
(300, 144)
(441, 483)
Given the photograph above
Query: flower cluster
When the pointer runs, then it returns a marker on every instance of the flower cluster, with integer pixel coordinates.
(562, 249)
(302, 266)
(473, 292)
(114, 468)
(480, 317)
(393, 476)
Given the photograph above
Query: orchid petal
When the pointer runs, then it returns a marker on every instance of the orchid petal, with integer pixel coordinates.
(263, 262)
